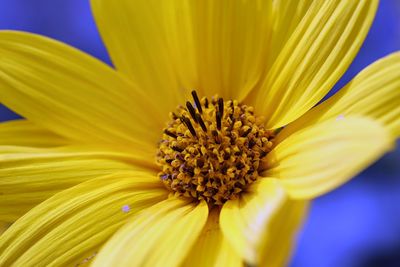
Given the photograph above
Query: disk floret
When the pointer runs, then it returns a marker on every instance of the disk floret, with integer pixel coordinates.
(211, 150)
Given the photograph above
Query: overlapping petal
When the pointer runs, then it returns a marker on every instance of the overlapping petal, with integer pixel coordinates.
(162, 50)
(282, 237)
(150, 42)
(286, 16)
(26, 133)
(212, 248)
(323, 156)
(3, 227)
(232, 41)
(73, 94)
(162, 235)
(72, 225)
(252, 223)
(169, 47)
(313, 59)
(30, 175)
(373, 93)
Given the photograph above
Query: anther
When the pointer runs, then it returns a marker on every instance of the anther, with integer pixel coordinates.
(191, 110)
(216, 137)
(170, 134)
(201, 122)
(221, 106)
(189, 125)
(197, 101)
(233, 110)
(252, 143)
(246, 132)
(206, 102)
(218, 120)
(177, 149)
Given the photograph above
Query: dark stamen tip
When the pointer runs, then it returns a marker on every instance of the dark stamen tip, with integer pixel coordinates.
(233, 110)
(182, 120)
(218, 119)
(221, 106)
(232, 124)
(201, 122)
(197, 101)
(177, 149)
(189, 125)
(191, 110)
(246, 132)
(251, 143)
(170, 133)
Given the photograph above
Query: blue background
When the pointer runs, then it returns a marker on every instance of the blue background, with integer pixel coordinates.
(355, 225)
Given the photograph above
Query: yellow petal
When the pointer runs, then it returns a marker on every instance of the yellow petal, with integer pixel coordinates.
(29, 176)
(316, 55)
(144, 42)
(212, 248)
(321, 157)
(73, 94)
(169, 47)
(250, 222)
(373, 93)
(232, 40)
(73, 224)
(282, 234)
(26, 133)
(3, 227)
(287, 15)
(162, 235)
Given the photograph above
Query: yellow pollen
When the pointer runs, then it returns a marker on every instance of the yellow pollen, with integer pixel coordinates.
(211, 150)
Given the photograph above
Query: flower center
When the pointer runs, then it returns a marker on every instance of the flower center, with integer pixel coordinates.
(212, 150)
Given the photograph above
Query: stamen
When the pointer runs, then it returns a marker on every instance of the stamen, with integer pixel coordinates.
(189, 125)
(233, 111)
(216, 137)
(246, 132)
(222, 154)
(174, 116)
(218, 120)
(201, 122)
(197, 101)
(170, 134)
(191, 111)
(176, 148)
(221, 107)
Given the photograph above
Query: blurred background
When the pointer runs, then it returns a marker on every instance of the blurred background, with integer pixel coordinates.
(357, 225)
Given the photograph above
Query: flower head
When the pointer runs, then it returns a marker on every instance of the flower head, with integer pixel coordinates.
(129, 166)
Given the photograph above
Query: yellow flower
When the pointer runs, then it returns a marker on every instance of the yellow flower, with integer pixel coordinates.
(90, 177)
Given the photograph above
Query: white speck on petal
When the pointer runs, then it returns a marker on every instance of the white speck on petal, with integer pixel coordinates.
(126, 208)
(340, 117)
(86, 260)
